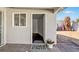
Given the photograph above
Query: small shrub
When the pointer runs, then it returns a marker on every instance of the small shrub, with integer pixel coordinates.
(50, 42)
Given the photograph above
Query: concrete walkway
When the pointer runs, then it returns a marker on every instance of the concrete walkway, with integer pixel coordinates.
(65, 44)
(15, 48)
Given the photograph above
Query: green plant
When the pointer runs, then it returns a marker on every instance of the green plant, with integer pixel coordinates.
(78, 20)
(50, 42)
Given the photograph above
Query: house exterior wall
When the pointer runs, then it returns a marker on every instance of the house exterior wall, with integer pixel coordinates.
(23, 35)
(51, 27)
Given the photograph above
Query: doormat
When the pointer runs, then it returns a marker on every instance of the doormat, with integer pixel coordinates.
(39, 48)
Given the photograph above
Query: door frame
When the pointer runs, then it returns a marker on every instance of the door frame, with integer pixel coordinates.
(3, 42)
(44, 26)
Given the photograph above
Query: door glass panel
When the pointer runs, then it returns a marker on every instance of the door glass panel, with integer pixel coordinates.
(22, 19)
(16, 19)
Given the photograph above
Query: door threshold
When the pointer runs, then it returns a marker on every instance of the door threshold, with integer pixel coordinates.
(38, 43)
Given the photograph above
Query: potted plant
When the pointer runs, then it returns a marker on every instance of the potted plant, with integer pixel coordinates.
(50, 43)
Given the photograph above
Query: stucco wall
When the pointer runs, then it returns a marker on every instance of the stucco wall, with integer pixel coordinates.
(22, 35)
(50, 27)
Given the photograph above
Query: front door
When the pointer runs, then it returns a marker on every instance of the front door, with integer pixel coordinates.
(38, 28)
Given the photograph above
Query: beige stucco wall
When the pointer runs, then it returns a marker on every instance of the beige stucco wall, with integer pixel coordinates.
(22, 35)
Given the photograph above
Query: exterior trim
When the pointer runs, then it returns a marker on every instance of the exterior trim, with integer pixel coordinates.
(13, 19)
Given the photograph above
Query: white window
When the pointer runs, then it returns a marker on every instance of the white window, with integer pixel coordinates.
(19, 19)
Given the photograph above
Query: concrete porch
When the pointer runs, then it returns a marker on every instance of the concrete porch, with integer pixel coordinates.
(66, 42)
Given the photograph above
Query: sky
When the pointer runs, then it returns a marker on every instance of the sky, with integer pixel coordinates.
(73, 12)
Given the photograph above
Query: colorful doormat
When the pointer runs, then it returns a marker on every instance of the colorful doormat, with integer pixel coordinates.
(39, 48)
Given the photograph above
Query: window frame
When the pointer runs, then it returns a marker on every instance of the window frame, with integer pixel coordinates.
(13, 19)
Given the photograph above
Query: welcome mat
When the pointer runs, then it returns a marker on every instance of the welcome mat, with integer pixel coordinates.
(39, 48)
